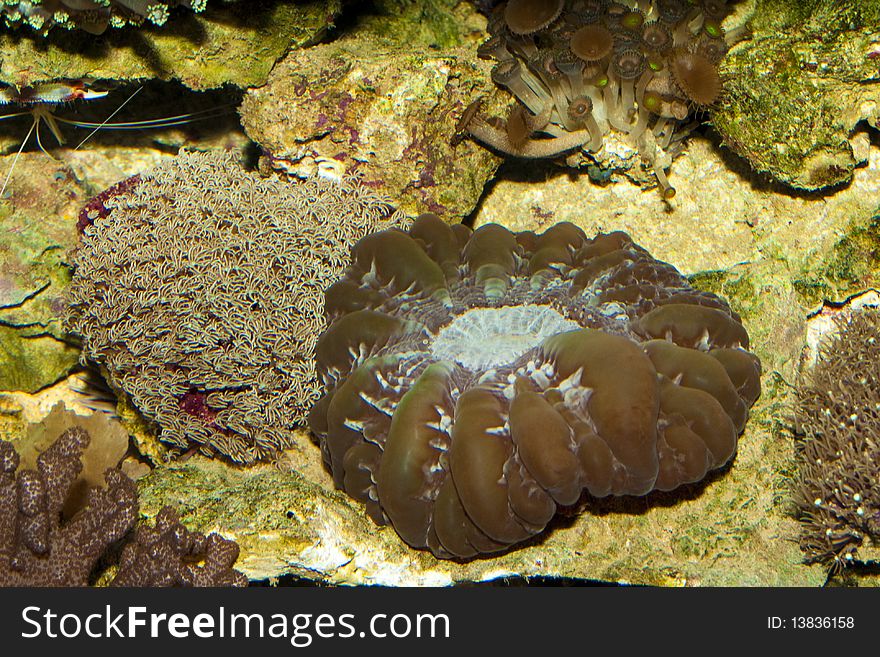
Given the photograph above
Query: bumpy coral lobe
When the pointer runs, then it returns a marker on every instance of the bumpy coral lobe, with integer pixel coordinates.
(36, 547)
(479, 380)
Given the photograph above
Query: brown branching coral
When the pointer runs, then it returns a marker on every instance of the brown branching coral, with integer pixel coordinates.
(93, 16)
(107, 447)
(41, 546)
(170, 555)
(36, 547)
(642, 66)
(201, 294)
(477, 381)
(838, 411)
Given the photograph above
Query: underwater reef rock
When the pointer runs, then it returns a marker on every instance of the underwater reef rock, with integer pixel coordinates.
(479, 381)
(93, 16)
(798, 87)
(838, 413)
(375, 103)
(583, 69)
(229, 43)
(38, 228)
(201, 293)
(45, 542)
(732, 530)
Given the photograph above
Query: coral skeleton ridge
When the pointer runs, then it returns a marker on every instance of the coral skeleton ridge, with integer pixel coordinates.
(478, 381)
(199, 288)
(583, 69)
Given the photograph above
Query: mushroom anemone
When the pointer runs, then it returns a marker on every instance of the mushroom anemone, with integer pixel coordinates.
(551, 53)
(478, 381)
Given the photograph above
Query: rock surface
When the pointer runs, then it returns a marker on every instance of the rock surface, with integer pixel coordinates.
(383, 107)
(796, 90)
(233, 44)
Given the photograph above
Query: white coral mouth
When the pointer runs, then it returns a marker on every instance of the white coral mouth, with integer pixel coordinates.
(484, 338)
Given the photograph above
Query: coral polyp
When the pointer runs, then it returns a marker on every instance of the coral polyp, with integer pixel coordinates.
(837, 411)
(477, 381)
(198, 286)
(644, 66)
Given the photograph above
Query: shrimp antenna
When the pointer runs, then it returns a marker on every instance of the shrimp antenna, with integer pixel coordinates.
(15, 159)
(114, 113)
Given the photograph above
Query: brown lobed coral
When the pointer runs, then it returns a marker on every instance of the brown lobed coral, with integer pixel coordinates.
(200, 291)
(171, 555)
(41, 546)
(582, 69)
(477, 381)
(838, 411)
(93, 16)
(36, 547)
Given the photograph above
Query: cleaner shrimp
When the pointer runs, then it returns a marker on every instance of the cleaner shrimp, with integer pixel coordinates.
(41, 102)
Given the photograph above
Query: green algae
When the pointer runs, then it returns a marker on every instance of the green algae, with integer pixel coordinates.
(797, 88)
(39, 225)
(852, 266)
(235, 44)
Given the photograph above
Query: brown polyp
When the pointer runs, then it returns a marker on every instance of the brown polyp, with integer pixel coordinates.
(530, 16)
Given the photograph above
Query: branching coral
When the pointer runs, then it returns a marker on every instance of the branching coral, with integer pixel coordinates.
(478, 381)
(593, 66)
(40, 546)
(91, 15)
(200, 291)
(170, 555)
(106, 449)
(838, 411)
(36, 548)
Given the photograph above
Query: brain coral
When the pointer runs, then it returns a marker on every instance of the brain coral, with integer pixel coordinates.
(582, 69)
(838, 411)
(200, 291)
(478, 381)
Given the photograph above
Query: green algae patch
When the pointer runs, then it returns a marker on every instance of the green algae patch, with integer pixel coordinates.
(30, 361)
(234, 44)
(852, 266)
(431, 23)
(39, 225)
(796, 89)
